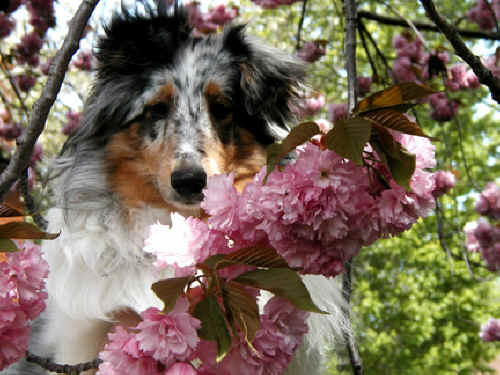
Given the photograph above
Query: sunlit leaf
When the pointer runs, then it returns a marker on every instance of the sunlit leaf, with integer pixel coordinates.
(392, 119)
(297, 136)
(23, 230)
(402, 167)
(244, 309)
(169, 290)
(283, 282)
(348, 138)
(258, 256)
(7, 246)
(393, 96)
(213, 324)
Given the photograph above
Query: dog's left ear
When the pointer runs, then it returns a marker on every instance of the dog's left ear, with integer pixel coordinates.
(269, 78)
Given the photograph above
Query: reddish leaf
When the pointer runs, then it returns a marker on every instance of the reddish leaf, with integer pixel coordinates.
(297, 136)
(393, 119)
(213, 325)
(348, 138)
(393, 96)
(244, 309)
(7, 246)
(283, 282)
(169, 290)
(23, 230)
(258, 256)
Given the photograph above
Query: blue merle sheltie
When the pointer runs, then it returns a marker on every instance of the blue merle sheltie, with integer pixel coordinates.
(167, 110)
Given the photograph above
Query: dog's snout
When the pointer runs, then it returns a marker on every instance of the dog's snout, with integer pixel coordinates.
(189, 182)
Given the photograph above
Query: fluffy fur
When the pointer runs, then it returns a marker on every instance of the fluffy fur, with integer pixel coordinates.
(166, 111)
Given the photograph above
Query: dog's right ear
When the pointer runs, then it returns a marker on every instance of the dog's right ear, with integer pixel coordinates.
(135, 42)
(269, 78)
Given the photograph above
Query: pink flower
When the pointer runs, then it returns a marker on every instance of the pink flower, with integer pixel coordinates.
(29, 48)
(364, 85)
(310, 106)
(84, 61)
(121, 355)
(482, 15)
(14, 336)
(312, 51)
(471, 241)
(6, 25)
(221, 202)
(482, 236)
(171, 244)
(337, 112)
(443, 109)
(488, 203)
(73, 122)
(402, 70)
(490, 331)
(181, 369)
(25, 272)
(169, 337)
(445, 181)
(25, 82)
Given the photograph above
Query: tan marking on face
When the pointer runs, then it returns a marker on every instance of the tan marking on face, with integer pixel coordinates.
(244, 159)
(166, 94)
(133, 169)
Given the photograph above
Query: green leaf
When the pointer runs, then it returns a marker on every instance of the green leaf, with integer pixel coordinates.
(244, 309)
(23, 230)
(283, 282)
(402, 167)
(348, 138)
(297, 136)
(258, 256)
(8, 246)
(169, 290)
(213, 325)
(393, 96)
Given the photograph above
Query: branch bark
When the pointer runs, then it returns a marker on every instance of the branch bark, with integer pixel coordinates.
(20, 159)
(47, 364)
(426, 26)
(352, 95)
(483, 74)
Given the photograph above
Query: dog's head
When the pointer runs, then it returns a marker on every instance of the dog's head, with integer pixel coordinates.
(170, 109)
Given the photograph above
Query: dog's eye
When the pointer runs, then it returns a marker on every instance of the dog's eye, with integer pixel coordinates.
(158, 111)
(220, 111)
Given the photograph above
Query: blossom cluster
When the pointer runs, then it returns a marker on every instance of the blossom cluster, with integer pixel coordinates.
(271, 4)
(483, 15)
(412, 64)
(206, 23)
(312, 51)
(22, 299)
(168, 344)
(481, 235)
(490, 331)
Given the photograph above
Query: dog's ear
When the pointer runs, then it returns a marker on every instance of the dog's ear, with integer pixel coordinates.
(269, 78)
(135, 42)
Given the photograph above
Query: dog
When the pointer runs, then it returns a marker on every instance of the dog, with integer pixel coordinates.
(167, 110)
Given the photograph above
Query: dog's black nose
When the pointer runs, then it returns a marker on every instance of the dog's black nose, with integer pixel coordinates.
(189, 182)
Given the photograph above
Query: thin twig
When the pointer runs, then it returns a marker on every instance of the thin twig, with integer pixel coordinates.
(377, 49)
(30, 203)
(47, 364)
(493, 15)
(20, 159)
(301, 25)
(483, 74)
(13, 85)
(368, 53)
(472, 34)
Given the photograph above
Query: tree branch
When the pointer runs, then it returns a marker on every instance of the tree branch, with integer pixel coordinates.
(352, 95)
(484, 75)
(19, 161)
(426, 26)
(301, 25)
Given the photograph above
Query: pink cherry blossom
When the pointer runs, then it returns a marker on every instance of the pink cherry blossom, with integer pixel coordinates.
(490, 331)
(445, 180)
(169, 337)
(122, 355)
(181, 369)
(488, 203)
(312, 51)
(482, 15)
(14, 336)
(337, 111)
(364, 85)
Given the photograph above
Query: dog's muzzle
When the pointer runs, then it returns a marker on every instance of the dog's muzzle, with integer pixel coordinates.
(189, 182)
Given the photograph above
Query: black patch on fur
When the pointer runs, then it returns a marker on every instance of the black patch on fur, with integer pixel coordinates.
(136, 43)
